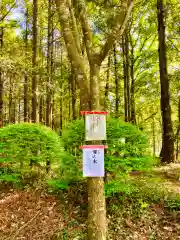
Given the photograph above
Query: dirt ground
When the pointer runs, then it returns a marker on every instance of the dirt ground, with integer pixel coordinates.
(28, 214)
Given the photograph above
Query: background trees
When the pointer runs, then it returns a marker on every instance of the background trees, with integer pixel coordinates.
(129, 77)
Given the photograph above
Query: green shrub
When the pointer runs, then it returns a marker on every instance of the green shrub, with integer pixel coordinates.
(127, 150)
(120, 156)
(22, 143)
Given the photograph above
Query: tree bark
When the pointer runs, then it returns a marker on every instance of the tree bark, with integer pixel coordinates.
(1, 79)
(116, 82)
(167, 153)
(26, 77)
(125, 47)
(73, 93)
(97, 225)
(178, 132)
(106, 94)
(11, 112)
(41, 106)
(61, 98)
(154, 136)
(90, 100)
(34, 62)
(132, 88)
(49, 67)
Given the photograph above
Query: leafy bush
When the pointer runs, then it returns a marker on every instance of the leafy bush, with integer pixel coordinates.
(22, 143)
(127, 151)
(126, 145)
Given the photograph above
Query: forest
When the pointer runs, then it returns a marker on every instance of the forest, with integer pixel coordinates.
(62, 58)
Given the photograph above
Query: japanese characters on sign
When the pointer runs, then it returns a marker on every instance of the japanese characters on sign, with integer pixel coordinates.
(95, 127)
(93, 155)
(93, 161)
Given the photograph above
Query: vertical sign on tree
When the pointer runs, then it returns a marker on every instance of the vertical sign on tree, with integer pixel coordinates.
(93, 155)
(95, 125)
(93, 160)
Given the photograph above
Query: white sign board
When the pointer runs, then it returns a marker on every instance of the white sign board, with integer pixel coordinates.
(95, 127)
(93, 162)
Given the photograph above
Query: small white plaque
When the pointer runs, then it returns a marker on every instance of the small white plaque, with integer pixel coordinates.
(95, 128)
(93, 162)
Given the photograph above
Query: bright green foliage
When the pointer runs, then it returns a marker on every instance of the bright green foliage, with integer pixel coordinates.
(25, 142)
(126, 146)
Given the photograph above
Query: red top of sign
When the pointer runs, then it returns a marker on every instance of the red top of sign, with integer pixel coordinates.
(94, 146)
(94, 112)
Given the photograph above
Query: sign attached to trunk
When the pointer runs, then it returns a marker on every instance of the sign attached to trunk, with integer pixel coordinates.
(95, 125)
(93, 160)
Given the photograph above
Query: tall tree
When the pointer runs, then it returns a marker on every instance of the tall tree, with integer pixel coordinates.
(26, 76)
(125, 47)
(96, 199)
(34, 61)
(116, 81)
(167, 152)
(1, 79)
(49, 66)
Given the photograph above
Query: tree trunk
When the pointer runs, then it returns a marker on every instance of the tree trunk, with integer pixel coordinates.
(61, 98)
(34, 62)
(154, 137)
(106, 94)
(178, 132)
(73, 93)
(70, 97)
(167, 153)
(10, 100)
(49, 67)
(116, 83)
(125, 47)
(132, 97)
(1, 79)
(26, 77)
(41, 106)
(97, 226)
(91, 99)
(19, 107)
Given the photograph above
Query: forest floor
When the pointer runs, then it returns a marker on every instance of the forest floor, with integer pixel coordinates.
(29, 214)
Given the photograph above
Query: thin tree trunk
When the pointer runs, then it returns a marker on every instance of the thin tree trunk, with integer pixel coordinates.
(41, 105)
(73, 93)
(167, 153)
(70, 96)
(126, 78)
(154, 137)
(127, 75)
(1, 79)
(34, 62)
(49, 68)
(132, 97)
(178, 132)
(19, 108)
(61, 98)
(10, 99)
(34, 65)
(116, 82)
(26, 77)
(106, 94)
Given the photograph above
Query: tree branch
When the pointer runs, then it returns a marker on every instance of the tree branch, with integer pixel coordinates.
(74, 56)
(118, 29)
(87, 34)
(142, 47)
(5, 15)
(152, 115)
(74, 27)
